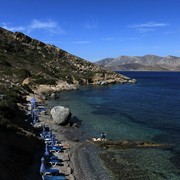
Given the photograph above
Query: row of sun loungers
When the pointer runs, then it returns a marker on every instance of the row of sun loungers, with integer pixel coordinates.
(50, 161)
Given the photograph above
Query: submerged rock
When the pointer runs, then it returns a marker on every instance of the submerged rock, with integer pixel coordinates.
(53, 95)
(127, 144)
(60, 115)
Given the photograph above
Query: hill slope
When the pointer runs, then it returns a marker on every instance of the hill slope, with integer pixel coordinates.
(22, 57)
(144, 63)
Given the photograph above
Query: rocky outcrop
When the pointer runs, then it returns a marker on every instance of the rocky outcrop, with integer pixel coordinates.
(54, 88)
(60, 115)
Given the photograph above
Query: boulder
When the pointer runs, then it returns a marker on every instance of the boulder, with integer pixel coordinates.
(61, 115)
(53, 95)
(103, 83)
(26, 81)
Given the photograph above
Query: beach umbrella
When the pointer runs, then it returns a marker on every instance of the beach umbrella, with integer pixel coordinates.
(34, 118)
(52, 140)
(33, 103)
(46, 153)
(50, 134)
(43, 129)
(35, 115)
(42, 167)
(32, 99)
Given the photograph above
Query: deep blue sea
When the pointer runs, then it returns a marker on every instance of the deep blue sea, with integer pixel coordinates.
(146, 111)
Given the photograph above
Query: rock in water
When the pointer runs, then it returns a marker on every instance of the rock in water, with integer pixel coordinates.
(60, 115)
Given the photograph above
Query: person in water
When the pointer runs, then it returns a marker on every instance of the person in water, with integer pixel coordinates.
(103, 136)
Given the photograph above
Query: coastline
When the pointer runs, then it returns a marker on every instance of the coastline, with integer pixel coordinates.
(127, 165)
(82, 161)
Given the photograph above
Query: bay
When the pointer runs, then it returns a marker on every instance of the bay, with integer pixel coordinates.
(145, 111)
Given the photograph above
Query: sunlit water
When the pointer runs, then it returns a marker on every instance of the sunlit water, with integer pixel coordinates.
(147, 111)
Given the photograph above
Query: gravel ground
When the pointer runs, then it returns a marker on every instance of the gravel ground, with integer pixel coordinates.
(87, 164)
(84, 160)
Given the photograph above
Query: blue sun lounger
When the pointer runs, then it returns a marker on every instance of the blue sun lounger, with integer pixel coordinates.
(50, 141)
(59, 177)
(53, 162)
(55, 148)
(53, 157)
(41, 108)
(49, 171)
(52, 172)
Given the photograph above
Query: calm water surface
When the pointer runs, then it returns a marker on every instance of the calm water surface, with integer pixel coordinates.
(148, 110)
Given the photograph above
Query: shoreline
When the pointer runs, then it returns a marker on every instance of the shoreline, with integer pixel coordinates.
(84, 159)
(83, 156)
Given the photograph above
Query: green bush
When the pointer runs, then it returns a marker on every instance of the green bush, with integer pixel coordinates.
(41, 80)
(3, 62)
(22, 73)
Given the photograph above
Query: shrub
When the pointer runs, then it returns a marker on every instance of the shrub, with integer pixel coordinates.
(42, 80)
(22, 73)
(3, 62)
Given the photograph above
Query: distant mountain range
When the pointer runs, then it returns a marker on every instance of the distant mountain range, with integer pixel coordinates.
(141, 63)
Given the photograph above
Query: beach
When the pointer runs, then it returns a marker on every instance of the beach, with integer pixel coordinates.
(83, 156)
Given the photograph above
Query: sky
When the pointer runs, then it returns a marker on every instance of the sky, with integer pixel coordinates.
(97, 29)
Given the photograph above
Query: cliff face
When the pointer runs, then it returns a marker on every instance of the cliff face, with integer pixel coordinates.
(22, 57)
(142, 63)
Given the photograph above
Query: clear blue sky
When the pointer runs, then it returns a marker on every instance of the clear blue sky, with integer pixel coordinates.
(96, 29)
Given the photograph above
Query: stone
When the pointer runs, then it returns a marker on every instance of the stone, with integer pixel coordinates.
(26, 81)
(60, 115)
(65, 157)
(103, 83)
(53, 95)
(76, 140)
(71, 177)
(68, 171)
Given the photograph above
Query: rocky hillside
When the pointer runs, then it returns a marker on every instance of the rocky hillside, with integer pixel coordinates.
(19, 146)
(22, 57)
(141, 63)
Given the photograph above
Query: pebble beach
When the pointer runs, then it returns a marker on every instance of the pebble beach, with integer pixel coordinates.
(79, 158)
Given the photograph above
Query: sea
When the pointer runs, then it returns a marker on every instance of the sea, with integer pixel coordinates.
(148, 110)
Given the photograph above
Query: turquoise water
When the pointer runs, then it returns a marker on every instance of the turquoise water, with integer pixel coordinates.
(147, 111)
